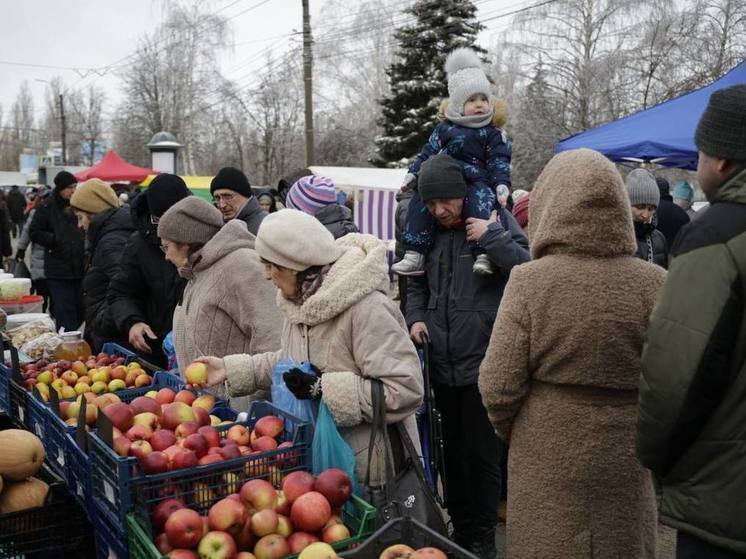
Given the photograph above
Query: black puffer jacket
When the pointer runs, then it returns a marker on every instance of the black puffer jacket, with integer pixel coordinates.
(55, 227)
(16, 204)
(649, 238)
(146, 288)
(107, 236)
(337, 219)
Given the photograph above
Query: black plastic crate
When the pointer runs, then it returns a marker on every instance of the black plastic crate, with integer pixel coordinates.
(58, 526)
(409, 532)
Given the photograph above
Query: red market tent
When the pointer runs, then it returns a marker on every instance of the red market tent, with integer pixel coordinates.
(113, 168)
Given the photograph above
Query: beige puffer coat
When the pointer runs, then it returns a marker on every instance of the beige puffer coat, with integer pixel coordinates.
(228, 307)
(352, 332)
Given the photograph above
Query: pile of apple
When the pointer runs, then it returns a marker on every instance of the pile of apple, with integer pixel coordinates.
(259, 521)
(100, 374)
(172, 431)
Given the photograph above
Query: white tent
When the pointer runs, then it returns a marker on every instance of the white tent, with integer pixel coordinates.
(374, 192)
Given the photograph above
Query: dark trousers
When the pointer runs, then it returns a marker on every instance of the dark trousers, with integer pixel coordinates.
(418, 232)
(16, 227)
(692, 547)
(67, 302)
(472, 461)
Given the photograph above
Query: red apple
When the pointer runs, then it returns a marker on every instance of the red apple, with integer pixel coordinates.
(162, 439)
(264, 444)
(176, 414)
(271, 547)
(335, 533)
(184, 528)
(215, 450)
(296, 484)
(182, 554)
(162, 545)
(120, 414)
(282, 506)
(230, 451)
(284, 526)
(245, 555)
(196, 373)
(155, 462)
(264, 522)
(428, 553)
(227, 515)
(143, 379)
(299, 541)
(239, 434)
(119, 373)
(335, 485)
(139, 449)
(245, 450)
(206, 402)
(172, 451)
(143, 403)
(197, 443)
(269, 426)
(139, 433)
(210, 459)
(289, 458)
(258, 494)
(310, 512)
(184, 459)
(201, 416)
(217, 545)
(245, 539)
(227, 442)
(122, 446)
(210, 434)
(130, 378)
(333, 519)
(185, 396)
(185, 429)
(163, 510)
(165, 396)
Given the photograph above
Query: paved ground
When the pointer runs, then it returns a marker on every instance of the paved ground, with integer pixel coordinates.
(666, 542)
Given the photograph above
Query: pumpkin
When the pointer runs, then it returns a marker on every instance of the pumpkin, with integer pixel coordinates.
(22, 454)
(22, 495)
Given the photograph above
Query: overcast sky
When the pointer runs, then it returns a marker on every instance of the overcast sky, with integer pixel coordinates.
(84, 34)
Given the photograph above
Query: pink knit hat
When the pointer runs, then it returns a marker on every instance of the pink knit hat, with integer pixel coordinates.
(310, 194)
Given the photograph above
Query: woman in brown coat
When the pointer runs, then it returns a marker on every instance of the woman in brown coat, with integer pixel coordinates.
(560, 377)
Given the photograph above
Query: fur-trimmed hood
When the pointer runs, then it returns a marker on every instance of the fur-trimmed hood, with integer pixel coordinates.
(580, 206)
(500, 111)
(362, 269)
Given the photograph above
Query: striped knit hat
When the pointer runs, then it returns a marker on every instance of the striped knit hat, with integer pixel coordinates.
(310, 194)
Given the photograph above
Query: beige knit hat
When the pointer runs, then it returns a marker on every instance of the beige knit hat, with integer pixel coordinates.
(94, 196)
(191, 220)
(295, 240)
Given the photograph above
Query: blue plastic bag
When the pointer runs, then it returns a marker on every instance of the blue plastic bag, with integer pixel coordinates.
(170, 351)
(305, 410)
(329, 449)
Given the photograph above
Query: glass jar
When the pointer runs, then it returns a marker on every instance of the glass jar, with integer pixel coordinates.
(73, 347)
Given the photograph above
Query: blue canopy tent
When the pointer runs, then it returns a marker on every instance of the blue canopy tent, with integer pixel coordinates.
(663, 134)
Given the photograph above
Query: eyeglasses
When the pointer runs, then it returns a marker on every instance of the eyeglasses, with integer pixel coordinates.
(217, 198)
(154, 219)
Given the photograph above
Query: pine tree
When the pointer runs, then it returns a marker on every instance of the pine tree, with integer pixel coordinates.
(418, 81)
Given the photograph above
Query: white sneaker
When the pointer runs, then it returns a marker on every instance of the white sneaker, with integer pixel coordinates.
(413, 264)
(482, 265)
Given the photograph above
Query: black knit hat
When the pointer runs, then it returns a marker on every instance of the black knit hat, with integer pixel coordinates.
(63, 179)
(441, 177)
(233, 179)
(721, 131)
(164, 191)
(663, 185)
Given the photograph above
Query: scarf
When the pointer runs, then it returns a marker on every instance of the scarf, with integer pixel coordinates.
(472, 121)
(309, 282)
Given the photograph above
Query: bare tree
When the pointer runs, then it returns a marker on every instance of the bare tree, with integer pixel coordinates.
(87, 112)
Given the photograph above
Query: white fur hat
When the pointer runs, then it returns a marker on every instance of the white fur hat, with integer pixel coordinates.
(465, 77)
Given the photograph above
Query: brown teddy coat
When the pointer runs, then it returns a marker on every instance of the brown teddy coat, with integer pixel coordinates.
(560, 377)
(228, 307)
(352, 331)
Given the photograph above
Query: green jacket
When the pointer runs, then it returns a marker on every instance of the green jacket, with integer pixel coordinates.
(692, 420)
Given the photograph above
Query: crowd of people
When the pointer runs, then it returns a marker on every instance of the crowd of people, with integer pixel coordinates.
(576, 377)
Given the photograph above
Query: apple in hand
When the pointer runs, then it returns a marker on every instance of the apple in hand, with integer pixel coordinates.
(196, 374)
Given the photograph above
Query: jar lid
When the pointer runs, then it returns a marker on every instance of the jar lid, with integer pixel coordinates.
(72, 335)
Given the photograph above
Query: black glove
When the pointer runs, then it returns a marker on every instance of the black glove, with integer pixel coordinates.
(304, 386)
(20, 254)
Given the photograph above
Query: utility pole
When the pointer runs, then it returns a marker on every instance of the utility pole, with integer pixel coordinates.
(63, 130)
(307, 82)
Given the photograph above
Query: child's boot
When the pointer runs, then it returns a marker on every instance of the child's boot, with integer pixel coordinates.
(482, 265)
(413, 264)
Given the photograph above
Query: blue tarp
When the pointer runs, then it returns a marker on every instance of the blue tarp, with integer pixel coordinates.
(664, 132)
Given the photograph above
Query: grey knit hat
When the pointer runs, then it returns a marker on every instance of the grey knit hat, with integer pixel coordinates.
(465, 77)
(721, 131)
(642, 188)
(295, 240)
(192, 220)
(441, 176)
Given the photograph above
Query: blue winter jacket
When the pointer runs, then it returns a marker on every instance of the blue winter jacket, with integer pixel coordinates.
(484, 153)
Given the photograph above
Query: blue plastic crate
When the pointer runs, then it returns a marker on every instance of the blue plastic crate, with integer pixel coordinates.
(5, 389)
(111, 539)
(115, 477)
(111, 348)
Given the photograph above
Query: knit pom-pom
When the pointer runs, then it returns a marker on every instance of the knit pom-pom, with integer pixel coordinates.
(462, 58)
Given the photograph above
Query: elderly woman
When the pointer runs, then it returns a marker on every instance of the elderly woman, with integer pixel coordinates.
(560, 377)
(227, 306)
(338, 317)
(107, 227)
